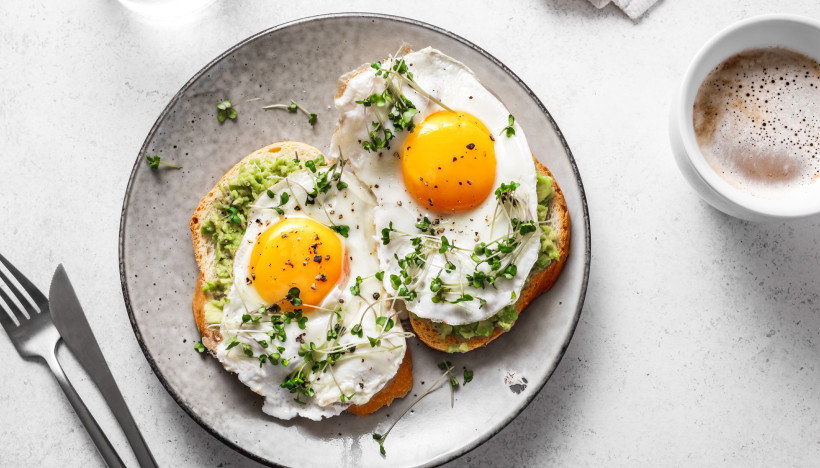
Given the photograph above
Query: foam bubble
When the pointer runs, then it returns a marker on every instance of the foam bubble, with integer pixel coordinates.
(757, 120)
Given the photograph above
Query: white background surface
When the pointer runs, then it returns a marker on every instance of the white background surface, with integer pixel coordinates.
(699, 343)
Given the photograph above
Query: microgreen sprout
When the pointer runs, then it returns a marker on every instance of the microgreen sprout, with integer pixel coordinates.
(356, 288)
(283, 200)
(445, 245)
(385, 322)
(509, 130)
(395, 281)
(468, 376)
(392, 104)
(448, 373)
(154, 162)
(199, 346)
(225, 110)
(505, 190)
(341, 229)
(232, 341)
(233, 215)
(293, 296)
(323, 181)
(386, 233)
(423, 225)
(293, 107)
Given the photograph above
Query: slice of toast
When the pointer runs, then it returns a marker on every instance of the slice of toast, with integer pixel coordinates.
(537, 283)
(204, 250)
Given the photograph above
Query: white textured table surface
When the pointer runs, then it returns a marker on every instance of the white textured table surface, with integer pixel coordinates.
(699, 342)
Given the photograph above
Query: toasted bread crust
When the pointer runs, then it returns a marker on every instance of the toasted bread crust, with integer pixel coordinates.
(203, 246)
(536, 284)
(210, 335)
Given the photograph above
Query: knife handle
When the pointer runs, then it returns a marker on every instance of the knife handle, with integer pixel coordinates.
(105, 382)
(112, 459)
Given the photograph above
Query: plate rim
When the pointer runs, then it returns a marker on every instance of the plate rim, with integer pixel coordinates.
(445, 456)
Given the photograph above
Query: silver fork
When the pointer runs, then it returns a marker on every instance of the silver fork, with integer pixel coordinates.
(36, 336)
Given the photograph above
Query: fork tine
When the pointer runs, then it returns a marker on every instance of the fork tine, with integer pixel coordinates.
(5, 315)
(20, 297)
(32, 290)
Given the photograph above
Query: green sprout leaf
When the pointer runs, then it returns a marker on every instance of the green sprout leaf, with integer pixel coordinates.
(395, 281)
(527, 228)
(504, 189)
(283, 200)
(233, 215)
(386, 233)
(509, 130)
(293, 297)
(225, 110)
(232, 341)
(445, 245)
(356, 330)
(341, 229)
(464, 298)
(385, 322)
(355, 289)
(510, 271)
(199, 346)
(154, 162)
(424, 225)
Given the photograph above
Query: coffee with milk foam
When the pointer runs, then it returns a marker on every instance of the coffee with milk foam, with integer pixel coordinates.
(757, 121)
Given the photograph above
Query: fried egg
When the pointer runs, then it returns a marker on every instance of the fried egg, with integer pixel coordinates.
(440, 181)
(289, 324)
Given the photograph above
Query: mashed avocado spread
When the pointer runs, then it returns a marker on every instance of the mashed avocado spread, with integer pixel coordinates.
(227, 222)
(505, 318)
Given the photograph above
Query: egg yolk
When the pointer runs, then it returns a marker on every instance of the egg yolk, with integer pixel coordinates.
(301, 253)
(448, 162)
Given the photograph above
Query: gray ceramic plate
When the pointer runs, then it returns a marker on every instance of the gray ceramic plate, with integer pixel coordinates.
(301, 60)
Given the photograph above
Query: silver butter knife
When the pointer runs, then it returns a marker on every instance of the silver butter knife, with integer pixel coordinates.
(70, 321)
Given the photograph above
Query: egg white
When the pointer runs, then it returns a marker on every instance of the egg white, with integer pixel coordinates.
(456, 86)
(362, 376)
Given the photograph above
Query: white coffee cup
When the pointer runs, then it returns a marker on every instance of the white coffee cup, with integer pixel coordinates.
(789, 31)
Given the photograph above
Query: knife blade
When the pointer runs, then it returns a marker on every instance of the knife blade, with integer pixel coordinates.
(72, 324)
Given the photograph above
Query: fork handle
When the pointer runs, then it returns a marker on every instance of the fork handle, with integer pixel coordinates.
(112, 459)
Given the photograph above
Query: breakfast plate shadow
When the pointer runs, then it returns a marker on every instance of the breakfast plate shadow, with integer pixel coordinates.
(302, 60)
